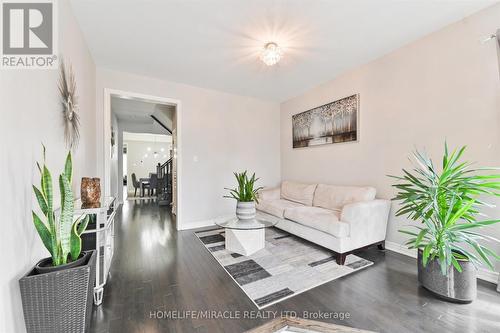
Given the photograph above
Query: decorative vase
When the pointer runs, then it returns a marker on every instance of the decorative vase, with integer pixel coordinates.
(245, 210)
(90, 191)
(59, 301)
(454, 286)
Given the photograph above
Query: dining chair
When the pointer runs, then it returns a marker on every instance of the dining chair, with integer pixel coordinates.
(135, 183)
(153, 184)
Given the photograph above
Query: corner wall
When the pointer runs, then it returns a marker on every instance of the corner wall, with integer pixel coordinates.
(444, 86)
(30, 113)
(115, 177)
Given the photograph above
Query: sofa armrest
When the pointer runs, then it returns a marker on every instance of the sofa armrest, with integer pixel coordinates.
(269, 194)
(367, 220)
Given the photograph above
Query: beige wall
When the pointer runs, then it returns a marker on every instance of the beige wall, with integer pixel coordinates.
(444, 86)
(220, 133)
(30, 114)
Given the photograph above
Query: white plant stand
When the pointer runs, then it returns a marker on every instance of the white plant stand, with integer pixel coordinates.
(245, 242)
(245, 237)
(104, 240)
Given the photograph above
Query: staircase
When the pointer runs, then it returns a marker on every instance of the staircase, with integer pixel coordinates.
(164, 172)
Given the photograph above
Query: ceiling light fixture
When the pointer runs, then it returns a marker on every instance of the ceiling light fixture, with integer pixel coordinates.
(271, 54)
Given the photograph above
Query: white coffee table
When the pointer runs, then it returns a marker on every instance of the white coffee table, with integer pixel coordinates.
(245, 237)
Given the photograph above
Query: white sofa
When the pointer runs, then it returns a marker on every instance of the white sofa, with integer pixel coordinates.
(340, 218)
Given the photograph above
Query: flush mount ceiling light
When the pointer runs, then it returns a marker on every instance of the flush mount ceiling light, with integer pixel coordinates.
(271, 54)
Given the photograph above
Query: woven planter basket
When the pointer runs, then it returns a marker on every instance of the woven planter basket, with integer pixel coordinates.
(59, 301)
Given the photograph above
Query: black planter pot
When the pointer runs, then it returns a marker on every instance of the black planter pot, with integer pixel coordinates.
(45, 265)
(454, 287)
(60, 300)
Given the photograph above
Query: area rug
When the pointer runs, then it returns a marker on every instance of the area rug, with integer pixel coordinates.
(286, 267)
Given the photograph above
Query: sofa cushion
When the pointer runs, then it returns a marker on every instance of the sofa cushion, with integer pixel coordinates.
(335, 197)
(269, 194)
(320, 219)
(297, 192)
(276, 207)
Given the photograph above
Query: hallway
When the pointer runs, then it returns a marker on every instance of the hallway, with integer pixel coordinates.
(156, 268)
(143, 268)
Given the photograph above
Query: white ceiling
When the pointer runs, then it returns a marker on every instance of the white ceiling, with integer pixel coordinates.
(215, 43)
(139, 111)
(135, 115)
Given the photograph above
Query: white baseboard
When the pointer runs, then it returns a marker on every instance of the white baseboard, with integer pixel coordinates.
(487, 275)
(196, 224)
(483, 273)
(203, 223)
(399, 248)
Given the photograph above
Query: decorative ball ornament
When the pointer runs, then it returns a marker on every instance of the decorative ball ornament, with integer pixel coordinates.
(90, 192)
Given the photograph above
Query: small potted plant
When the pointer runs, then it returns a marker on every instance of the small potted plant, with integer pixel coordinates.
(448, 204)
(57, 293)
(245, 195)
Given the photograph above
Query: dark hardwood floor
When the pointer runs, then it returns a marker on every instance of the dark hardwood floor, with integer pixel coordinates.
(156, 269)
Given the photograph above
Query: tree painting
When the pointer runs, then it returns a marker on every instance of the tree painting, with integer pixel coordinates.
(334, 122)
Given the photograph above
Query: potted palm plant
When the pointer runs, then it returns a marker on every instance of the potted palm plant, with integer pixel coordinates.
(245, 195)
(448, 204)
(57, 293)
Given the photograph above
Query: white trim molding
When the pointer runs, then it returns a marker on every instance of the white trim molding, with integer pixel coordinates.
(106, 118)
(204, 223)
(196, 224)
(482, 274)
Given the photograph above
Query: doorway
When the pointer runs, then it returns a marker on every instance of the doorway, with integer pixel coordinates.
(147, 160)
(131, 118)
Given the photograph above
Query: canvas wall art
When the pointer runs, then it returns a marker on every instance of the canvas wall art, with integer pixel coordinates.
(334, 122)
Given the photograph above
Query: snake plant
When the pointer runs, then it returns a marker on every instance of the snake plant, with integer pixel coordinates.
(448, 203)
(61, 235)
(245, 191)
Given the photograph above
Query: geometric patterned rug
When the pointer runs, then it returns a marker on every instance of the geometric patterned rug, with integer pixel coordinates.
(286, 267)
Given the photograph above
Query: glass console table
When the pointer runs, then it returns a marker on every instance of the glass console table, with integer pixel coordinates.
(245, 237)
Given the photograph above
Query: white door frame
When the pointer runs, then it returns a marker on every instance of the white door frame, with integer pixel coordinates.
(107, 138)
